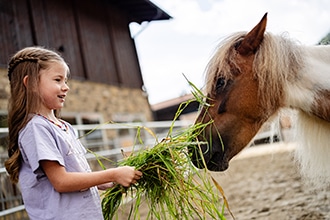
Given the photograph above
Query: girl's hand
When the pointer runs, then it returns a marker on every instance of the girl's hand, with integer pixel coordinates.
(127, 175)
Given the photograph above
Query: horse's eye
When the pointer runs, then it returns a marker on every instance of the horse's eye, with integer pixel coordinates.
(220, 84)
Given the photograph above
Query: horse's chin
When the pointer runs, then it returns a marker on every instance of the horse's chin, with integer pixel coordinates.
(216, 164)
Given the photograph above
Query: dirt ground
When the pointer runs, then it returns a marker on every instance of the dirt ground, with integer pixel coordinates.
(263, 183)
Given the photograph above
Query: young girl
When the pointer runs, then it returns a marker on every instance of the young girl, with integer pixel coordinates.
(45, 156)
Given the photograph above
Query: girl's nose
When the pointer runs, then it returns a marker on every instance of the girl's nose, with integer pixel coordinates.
(66, 87)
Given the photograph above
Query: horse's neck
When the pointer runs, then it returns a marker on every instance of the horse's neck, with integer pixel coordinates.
(309, 92)
(310, 89)
(317, 65)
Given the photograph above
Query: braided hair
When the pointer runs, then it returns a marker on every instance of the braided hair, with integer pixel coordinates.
(23, 74)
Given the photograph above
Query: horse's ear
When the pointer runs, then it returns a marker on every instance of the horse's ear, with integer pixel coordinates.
(253, 39)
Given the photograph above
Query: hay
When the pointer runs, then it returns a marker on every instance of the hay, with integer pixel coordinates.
(171, 186)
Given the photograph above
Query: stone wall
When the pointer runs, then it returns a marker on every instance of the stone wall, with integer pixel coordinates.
(89, 97)
(4, 90)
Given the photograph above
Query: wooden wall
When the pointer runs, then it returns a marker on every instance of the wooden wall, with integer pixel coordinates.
(93, 37)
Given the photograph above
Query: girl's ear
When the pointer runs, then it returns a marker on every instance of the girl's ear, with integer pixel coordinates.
(25, 80)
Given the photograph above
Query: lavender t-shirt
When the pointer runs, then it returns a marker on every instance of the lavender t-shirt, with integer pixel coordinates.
(42, 140)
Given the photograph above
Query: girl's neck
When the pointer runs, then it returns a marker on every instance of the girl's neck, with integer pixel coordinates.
(49, 115)
(56, 122)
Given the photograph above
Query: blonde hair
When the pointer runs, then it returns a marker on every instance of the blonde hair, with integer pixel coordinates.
(277, 61)
(24, 100)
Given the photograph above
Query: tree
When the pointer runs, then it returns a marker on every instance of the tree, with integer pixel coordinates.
(325, 40)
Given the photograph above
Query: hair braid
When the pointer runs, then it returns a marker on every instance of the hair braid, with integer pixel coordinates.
(14, 62)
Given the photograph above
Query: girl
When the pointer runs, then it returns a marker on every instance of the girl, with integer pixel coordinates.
(45, 156)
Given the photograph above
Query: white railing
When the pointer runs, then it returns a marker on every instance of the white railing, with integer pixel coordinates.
(160, 129)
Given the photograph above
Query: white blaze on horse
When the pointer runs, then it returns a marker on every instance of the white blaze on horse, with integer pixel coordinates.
(249, 79)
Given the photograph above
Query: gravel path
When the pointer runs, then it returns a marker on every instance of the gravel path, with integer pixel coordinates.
(263, 183)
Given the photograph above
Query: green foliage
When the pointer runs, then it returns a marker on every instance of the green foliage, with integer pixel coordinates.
(325, 40)
(171, 186)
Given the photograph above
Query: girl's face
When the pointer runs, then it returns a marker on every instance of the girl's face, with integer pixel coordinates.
(53, 86)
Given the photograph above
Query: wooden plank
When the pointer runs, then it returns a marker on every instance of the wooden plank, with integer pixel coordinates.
(39, 20)
(95, 42)
(124, 50)
(14, 25)
(6, 15)
(23, 26)
(93, 37)
(55, 28)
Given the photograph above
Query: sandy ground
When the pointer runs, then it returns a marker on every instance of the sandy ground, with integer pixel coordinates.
(263, 183)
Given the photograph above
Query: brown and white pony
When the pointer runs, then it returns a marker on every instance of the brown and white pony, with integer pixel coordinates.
(249, 79)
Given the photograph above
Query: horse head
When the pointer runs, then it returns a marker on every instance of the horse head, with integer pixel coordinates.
(233, 103)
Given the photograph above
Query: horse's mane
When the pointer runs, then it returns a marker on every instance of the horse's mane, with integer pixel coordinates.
(276, 63)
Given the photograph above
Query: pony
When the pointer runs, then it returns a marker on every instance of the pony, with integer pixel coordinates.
(250, 78)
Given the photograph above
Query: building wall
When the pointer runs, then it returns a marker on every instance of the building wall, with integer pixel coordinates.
(111, 102)
(94, 39)
(108, 100)
(92, 36)
(4, 90)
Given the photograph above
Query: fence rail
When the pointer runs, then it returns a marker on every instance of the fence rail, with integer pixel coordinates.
(10, 199)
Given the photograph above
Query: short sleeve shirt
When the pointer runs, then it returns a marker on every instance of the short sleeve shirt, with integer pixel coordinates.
(40, 140)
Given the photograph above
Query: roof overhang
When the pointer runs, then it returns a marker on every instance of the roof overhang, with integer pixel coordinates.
(141, 10)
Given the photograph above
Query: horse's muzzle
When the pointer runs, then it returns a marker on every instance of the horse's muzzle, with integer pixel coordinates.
(213, 161)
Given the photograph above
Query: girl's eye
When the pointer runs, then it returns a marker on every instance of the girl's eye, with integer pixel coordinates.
(220, 84)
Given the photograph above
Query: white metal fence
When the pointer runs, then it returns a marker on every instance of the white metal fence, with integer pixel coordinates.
(93, 137)
(96, 138)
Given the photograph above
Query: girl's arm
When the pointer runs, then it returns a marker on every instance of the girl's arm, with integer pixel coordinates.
(106, 186)
(64, 181)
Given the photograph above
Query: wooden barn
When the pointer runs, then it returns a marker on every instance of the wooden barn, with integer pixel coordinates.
(94, 38)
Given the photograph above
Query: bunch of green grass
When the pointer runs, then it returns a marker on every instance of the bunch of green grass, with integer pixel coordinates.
(171, 186)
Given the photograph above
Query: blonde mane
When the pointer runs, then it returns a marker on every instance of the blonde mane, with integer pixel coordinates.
(277, 62)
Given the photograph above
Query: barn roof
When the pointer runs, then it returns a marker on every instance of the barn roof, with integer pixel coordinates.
(141, 10)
